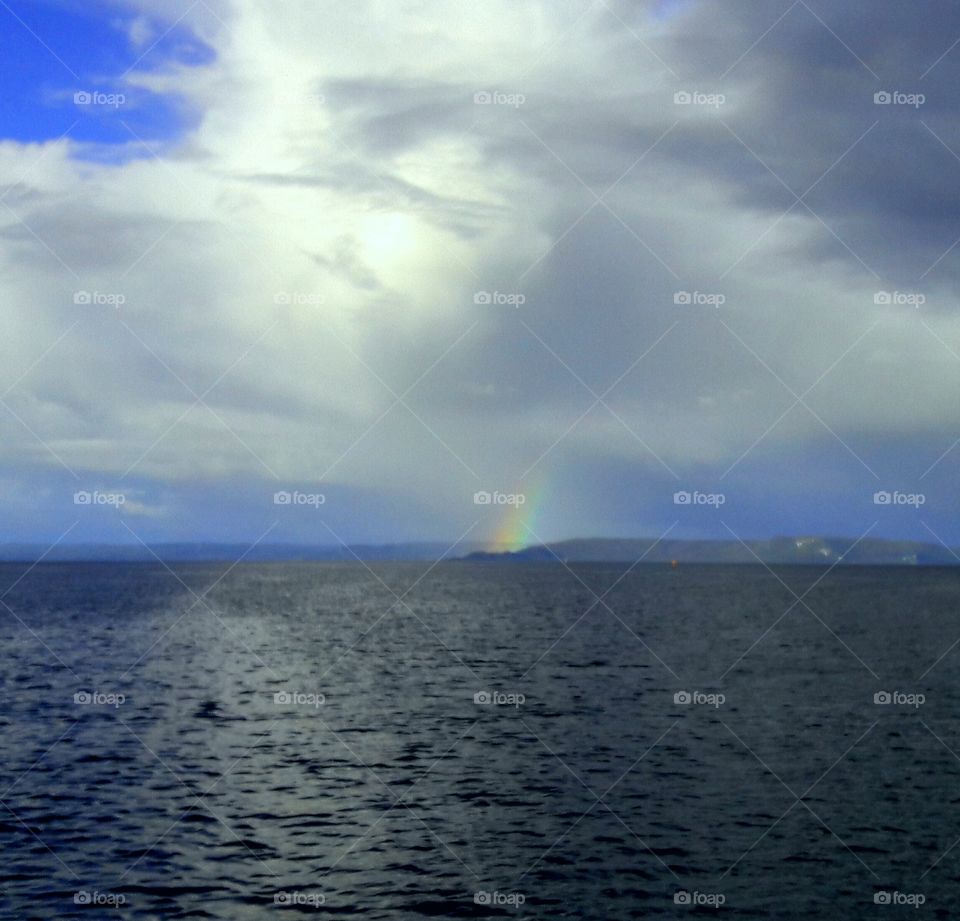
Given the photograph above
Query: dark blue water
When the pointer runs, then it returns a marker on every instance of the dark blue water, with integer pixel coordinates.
(304, 739)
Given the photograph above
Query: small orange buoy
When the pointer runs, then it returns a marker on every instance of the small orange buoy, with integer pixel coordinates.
(674, 564)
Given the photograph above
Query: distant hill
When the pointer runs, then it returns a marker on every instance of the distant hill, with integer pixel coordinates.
(782, 550)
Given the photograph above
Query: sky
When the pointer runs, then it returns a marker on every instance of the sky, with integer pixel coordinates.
(384, 259)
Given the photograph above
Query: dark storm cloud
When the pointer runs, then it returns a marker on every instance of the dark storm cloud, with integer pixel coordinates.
(803, 96)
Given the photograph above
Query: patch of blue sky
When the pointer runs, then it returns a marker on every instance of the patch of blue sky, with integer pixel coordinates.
(64, 71)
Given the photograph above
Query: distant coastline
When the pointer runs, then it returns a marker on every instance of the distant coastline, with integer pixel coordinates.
(778, 550)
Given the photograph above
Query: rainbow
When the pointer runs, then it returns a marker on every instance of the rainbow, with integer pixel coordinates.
(519, 523)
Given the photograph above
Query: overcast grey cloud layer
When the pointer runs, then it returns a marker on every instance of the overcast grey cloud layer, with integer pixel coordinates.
(304, 278)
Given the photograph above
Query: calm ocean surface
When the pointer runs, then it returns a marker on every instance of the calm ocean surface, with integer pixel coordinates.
(303, 740)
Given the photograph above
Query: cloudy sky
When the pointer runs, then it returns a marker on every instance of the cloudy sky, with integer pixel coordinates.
(396, 253)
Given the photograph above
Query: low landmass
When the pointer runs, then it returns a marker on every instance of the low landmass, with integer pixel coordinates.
(777, 550)
(215, 553)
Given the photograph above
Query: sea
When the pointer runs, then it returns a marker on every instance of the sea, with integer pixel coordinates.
(471, 740)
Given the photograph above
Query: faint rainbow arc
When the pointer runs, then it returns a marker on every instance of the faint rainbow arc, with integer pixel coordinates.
(519, 523)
